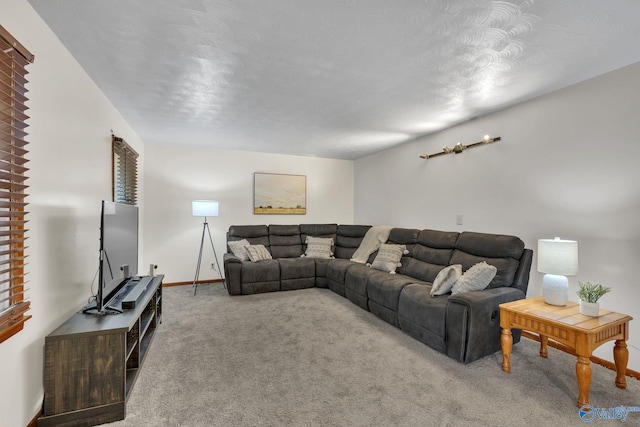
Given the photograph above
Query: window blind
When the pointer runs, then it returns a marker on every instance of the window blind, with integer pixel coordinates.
(13, 174)
(125, 172)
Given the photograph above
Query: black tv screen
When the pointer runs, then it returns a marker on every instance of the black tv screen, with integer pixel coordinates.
(118, 249)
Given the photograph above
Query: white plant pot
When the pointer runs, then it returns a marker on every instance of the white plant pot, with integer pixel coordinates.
(590, 308)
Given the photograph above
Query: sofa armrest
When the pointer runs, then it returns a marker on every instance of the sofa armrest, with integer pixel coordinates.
(521, 279)
(229, 257)
(473, 322)
(479, 299)
(233, 273)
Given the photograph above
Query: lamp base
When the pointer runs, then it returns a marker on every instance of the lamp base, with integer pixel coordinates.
(555, 289)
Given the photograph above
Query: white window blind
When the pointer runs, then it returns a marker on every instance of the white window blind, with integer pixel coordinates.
(125, 172)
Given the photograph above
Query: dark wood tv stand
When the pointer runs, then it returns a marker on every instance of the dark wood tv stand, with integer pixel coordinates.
(92, 361)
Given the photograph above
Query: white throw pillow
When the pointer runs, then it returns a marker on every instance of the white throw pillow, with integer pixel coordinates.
(238, 248)
(388, 258)
(319, 247)
(257, 253)
(476, 278)
(445, 279)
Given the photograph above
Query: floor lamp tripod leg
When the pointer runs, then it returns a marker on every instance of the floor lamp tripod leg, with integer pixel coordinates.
(195, 279)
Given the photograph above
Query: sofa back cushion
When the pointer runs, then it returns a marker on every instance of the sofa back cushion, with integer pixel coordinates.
(504, 252)
(431, 253)
(404, 236)
(407, 237)
(325, 231)
(255, 234)
(348, 239)
(284, 241)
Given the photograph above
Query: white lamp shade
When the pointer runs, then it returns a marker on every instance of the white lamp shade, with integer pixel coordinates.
(557, 256)
(204, 208)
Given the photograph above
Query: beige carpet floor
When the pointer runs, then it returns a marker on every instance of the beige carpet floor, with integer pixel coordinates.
(312, 358)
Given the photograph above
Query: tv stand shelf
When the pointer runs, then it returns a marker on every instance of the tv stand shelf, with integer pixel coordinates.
(91, 362)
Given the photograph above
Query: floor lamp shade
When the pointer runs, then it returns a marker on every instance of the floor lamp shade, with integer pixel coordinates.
(557, 258)
(204, 208)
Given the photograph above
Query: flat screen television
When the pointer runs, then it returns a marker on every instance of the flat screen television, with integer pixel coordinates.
(118, 251)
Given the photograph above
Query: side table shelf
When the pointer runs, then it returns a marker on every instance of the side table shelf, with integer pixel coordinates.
(92, 362)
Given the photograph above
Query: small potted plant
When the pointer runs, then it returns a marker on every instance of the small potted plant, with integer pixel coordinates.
(589, 295)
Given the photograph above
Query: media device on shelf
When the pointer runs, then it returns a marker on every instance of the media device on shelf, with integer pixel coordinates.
(118, 254)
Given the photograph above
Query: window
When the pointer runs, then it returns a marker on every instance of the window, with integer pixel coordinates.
(125, 171)
(13, 303)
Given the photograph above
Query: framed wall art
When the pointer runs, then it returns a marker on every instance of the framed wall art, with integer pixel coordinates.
(279, 194)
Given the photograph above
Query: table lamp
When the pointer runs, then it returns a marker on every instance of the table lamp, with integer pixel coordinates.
(557, 258)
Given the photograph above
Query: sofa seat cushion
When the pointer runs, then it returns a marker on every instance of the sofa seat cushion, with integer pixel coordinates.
(337, 270)
(297, 273)
(384, 288)
(259, 277)
(262, 271)
(419, 307)
(336, 273)
(321, 266)
(296, 268)
(356, 278)
(321, 271)
(423, 317)
(355, 284)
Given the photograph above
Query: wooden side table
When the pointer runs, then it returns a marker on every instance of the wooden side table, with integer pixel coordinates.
(580, 333)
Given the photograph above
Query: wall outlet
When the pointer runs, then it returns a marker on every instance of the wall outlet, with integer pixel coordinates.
(459, 219)
(213, 266)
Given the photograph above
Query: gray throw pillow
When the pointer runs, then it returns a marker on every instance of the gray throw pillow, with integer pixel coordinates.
(318, 247)
(445, 279)
(257, 253)
(388, 258)
(476, 278)
(238, 248)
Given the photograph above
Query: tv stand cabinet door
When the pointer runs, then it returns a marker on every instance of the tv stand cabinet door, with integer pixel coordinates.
(84, 371)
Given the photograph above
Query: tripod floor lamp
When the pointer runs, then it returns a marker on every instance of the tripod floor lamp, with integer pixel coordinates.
(204, 208)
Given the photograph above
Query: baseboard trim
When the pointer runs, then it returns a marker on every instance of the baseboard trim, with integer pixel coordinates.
(595, 359)
(34, 420)
(199, 282)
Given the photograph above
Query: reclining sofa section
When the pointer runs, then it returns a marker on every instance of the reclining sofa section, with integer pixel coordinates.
(465, 326)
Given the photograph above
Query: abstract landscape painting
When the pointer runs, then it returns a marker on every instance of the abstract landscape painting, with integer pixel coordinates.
(279, 194)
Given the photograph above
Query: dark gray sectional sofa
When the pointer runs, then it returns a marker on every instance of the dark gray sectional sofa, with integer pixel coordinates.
(465, 326)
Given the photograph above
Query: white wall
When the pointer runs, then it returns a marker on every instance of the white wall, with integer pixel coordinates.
(70, 146)
(176, 175)
(568, 165)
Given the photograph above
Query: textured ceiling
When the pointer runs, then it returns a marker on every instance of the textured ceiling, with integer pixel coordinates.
(333, 78)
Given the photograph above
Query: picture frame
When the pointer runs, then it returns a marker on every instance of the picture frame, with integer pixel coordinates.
(279, 194)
